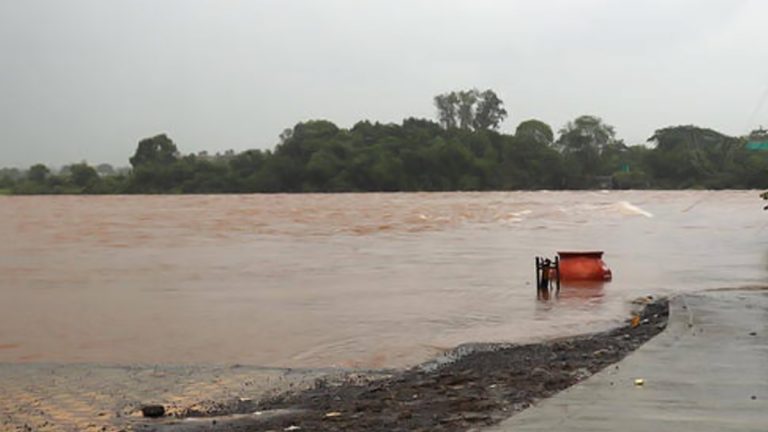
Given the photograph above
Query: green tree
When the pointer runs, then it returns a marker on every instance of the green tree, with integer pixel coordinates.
(586, 132)
(14, 174)
(305, 139)
(530, 162)
(38, 173)
(156, 150)
(447, 109)
(582, 141)
(105, 169)
(323, 166)
(688, 156)
(83, 175)
(470, 110)
(535, 130)
(248, 162)
(490, 111)
(466, 108)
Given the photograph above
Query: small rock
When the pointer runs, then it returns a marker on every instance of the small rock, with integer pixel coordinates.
(153, 411)
(540, 374)
(581, 374)
(753, 397)
(753, 333)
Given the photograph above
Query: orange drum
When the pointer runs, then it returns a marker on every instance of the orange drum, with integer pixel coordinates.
(583, 266)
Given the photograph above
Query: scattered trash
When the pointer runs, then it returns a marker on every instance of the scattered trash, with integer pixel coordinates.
(332, 414)
(153, 411)
(639, 382)
(292, 428)
(753, 333)
(753, 397)
(635, 321)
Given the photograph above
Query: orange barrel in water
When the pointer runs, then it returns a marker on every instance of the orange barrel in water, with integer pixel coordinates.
(583, 266)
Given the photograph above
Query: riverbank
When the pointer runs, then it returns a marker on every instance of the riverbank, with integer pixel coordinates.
(472, 386)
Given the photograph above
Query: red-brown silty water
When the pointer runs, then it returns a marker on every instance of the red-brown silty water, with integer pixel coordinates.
(367, 280)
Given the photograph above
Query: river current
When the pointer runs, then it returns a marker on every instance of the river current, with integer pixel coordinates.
(353, 280)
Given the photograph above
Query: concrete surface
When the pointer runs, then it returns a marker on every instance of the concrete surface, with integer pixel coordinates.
(86, 397)
(707, 372)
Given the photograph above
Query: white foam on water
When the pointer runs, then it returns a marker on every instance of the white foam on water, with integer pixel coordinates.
(628, 208)
(620, 207)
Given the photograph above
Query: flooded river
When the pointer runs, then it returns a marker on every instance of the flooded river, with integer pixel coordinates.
(367, 280)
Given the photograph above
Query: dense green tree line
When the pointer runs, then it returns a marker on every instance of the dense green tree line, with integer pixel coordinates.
(464, 151)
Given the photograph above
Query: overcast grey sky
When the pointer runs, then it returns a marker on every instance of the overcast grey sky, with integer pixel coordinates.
(86, 79)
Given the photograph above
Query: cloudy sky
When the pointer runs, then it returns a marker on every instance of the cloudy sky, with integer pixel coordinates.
(86, 79)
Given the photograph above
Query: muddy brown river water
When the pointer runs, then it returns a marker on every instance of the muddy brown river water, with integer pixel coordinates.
(361, 280)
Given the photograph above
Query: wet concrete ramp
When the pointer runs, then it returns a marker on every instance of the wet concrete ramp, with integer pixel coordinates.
(707, 372)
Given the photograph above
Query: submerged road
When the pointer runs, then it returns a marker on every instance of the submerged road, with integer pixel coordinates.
(707, 372)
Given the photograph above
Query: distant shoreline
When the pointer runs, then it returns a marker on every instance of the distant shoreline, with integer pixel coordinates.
(9, 193)
(420, 155)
